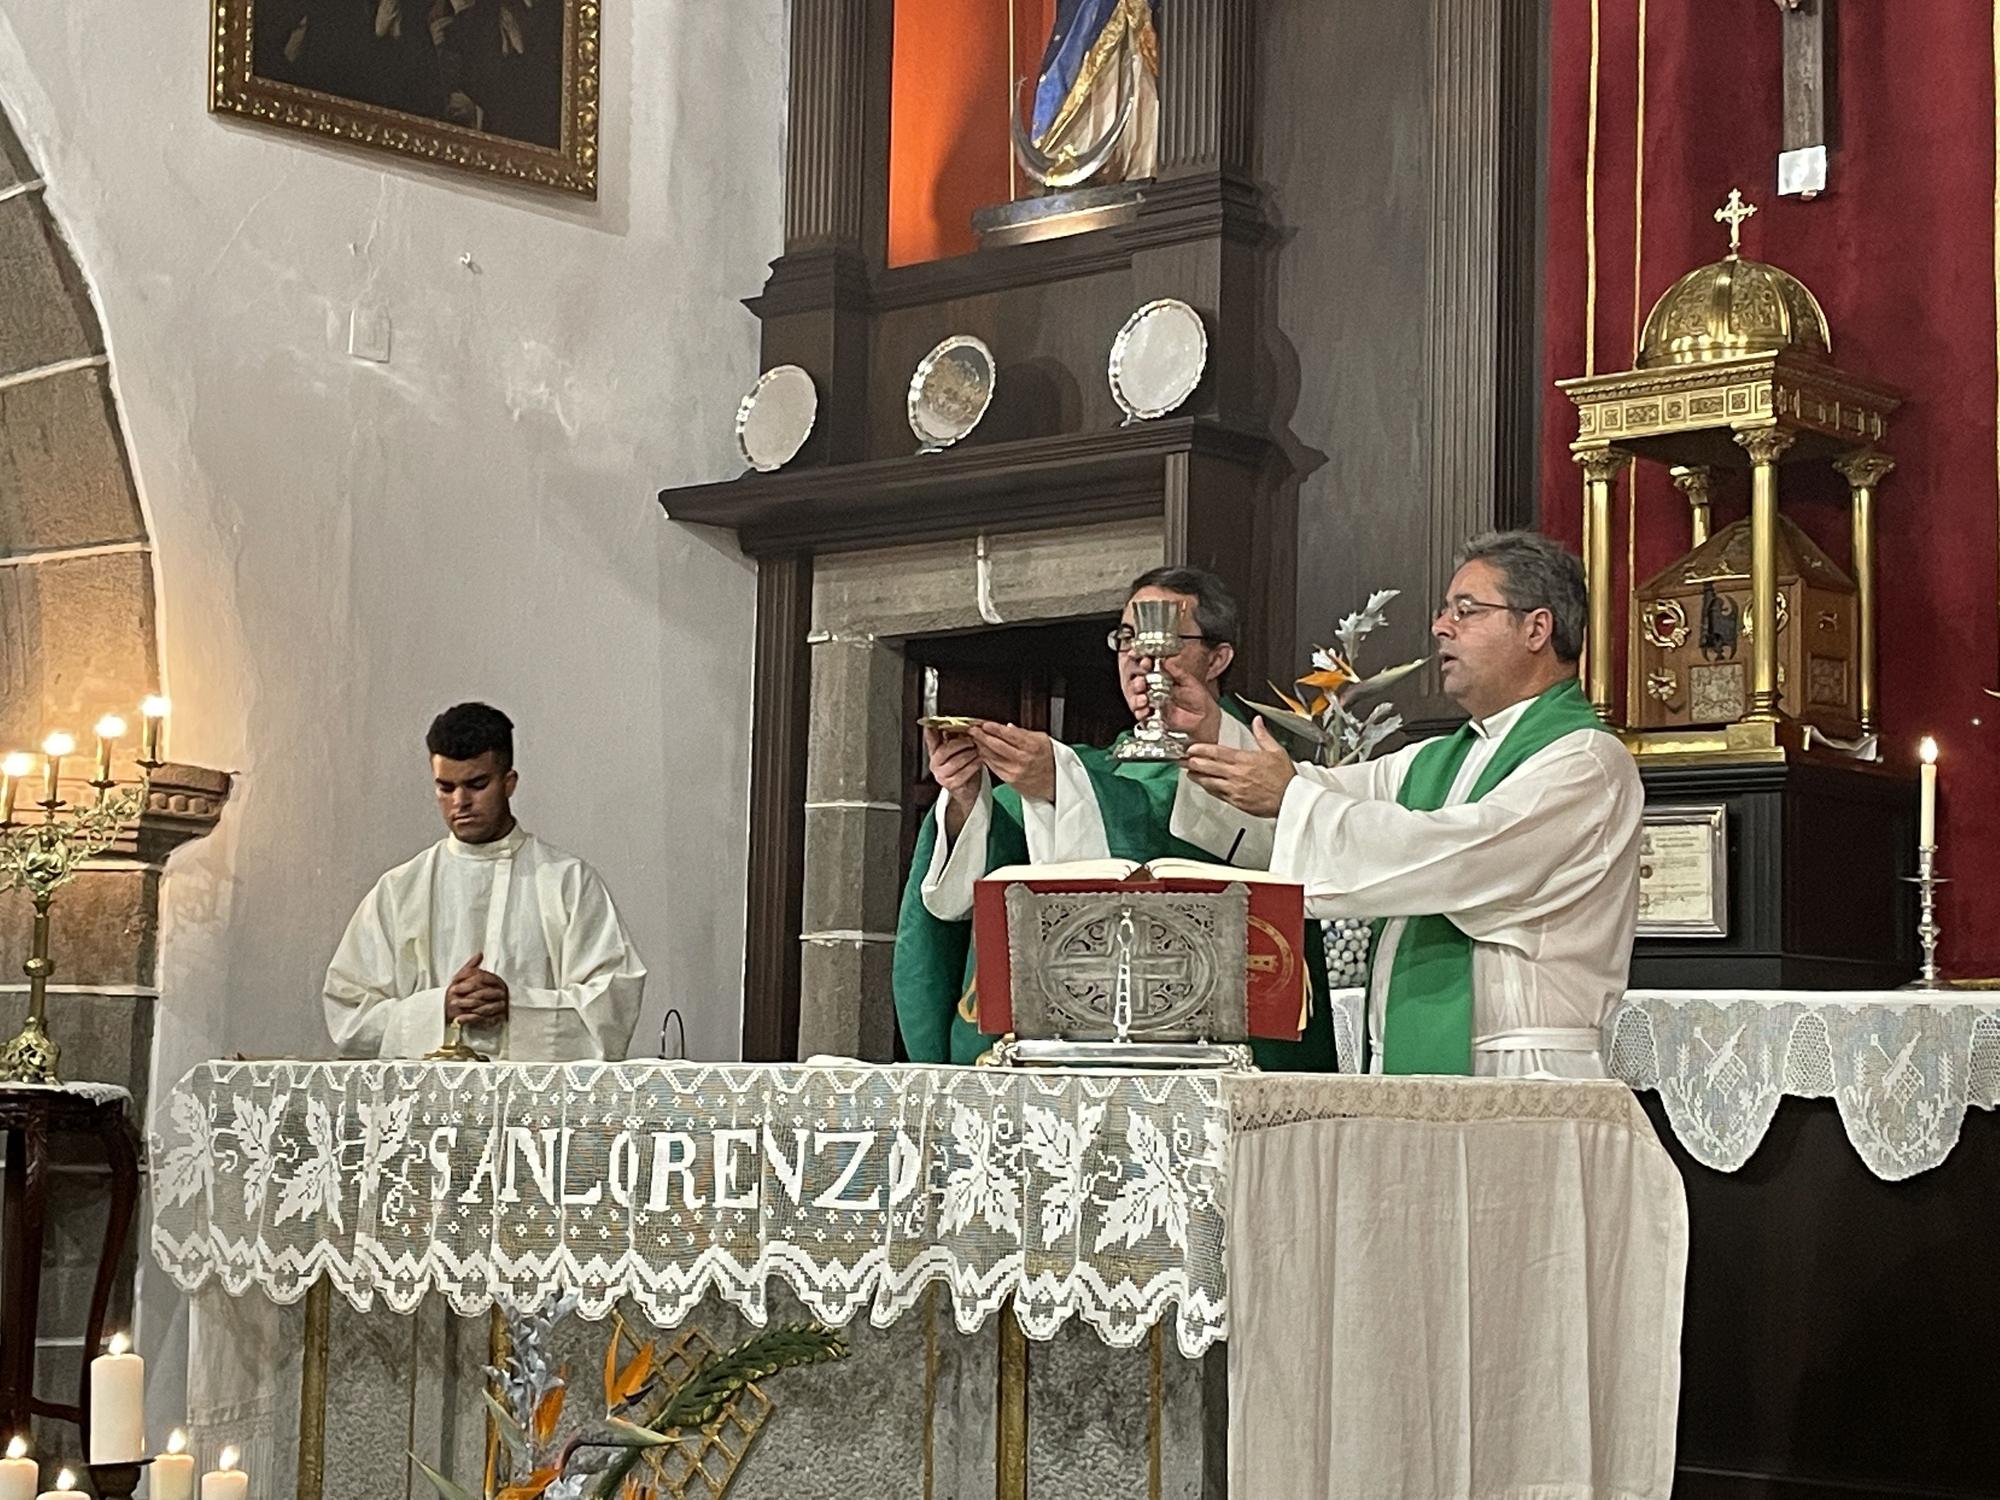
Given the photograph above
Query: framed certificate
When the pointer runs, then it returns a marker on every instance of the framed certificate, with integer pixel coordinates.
(1684, 872)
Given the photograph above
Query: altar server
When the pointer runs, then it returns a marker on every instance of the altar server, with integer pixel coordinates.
(1505, 856)
(489, 927)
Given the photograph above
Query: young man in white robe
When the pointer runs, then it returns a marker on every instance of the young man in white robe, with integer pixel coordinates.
(489, 927)
(1504, 857)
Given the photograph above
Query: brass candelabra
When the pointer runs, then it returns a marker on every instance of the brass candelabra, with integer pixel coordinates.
(41, 857)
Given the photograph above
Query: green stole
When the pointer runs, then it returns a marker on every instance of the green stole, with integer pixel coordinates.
(1427, 1015)
(934, 965)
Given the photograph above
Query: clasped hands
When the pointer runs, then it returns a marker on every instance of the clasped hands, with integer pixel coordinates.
(475, 996)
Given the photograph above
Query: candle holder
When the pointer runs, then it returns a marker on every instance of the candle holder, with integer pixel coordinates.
(455, 1048)
(116, 1481)
(1927, 880)
(41, 858)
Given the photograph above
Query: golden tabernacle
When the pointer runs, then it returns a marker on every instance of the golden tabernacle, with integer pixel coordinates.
(1735, 371)
(1692, 638)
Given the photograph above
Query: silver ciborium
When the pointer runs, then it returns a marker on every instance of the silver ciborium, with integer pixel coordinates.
(1156, 633)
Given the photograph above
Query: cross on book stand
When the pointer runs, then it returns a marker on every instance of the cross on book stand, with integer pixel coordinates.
(1127, 978)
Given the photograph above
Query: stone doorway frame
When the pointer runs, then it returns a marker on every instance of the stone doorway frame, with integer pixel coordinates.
(866, 606)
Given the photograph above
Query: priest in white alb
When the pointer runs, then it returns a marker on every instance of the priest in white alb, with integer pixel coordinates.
(1504, 857)
(490, 927)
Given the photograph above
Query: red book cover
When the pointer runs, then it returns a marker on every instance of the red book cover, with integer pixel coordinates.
(1279, 989)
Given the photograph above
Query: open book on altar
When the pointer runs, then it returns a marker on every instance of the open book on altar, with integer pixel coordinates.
(1187, 950)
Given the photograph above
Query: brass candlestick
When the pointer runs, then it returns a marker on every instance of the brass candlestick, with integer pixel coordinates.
(1927, 880)
(41, 858)
(116, 1481)
(455, 1048)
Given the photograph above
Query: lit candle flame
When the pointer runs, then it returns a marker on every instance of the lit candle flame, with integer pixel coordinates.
(229, 1457)
(110, 727)
(156, 707)
(59, 744)
(17, 765)
(120, 1344)
(18, 1448)
(65, 1480)
(178, 1442)
(1928, 750)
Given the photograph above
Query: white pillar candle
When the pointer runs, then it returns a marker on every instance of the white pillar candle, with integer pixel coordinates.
(117, 1405)
(153, 733)
(65, 1488)
(227, 1482)
(19, 1474)
(172, 1474)
(1927, 780)
(54, 748)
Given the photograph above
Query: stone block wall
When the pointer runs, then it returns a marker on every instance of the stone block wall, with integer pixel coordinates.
(77, 640)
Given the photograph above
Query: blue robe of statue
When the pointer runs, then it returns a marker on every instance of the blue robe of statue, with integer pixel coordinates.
(1080, 25)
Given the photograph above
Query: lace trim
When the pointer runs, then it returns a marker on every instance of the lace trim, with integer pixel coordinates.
(1901, 1068)
(1089, 1196)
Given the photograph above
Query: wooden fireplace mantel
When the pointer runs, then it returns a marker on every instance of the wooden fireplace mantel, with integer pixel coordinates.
(1064, 479)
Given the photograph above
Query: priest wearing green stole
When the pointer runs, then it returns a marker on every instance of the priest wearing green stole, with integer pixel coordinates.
(1015, 796)
(1504, 857)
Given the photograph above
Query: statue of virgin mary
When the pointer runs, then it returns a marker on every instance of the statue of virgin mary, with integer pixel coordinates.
(1097, 114)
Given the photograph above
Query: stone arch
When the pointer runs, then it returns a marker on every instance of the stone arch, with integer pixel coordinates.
(77, 636)
(77, 640)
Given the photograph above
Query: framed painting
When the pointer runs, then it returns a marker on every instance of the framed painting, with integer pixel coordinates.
(503, 87)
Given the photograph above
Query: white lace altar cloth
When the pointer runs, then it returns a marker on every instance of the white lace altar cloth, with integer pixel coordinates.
(1901, 1067)
(1091, 1195)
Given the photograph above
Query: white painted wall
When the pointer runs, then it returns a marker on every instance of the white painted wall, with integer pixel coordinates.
(345, 547)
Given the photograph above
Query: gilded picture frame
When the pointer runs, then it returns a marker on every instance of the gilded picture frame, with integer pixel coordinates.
(502, 88)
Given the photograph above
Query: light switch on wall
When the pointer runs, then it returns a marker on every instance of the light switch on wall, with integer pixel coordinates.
(368, 333)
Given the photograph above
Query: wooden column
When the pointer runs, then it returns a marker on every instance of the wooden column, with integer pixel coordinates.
(1464, 291)
(1207, 86)
(779, 721)
(836, 169)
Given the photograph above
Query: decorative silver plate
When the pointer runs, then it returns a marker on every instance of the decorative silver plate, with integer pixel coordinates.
(775, 419)
(950, 392)
(1157, 359)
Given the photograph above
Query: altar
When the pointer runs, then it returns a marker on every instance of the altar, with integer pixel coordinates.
(1114, 1229)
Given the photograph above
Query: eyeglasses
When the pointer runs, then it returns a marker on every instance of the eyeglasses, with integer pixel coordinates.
(1122, 638)
(1464, 607)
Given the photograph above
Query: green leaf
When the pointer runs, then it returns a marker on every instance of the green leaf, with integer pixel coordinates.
(1297, 727)
(632, 1435)
(510, 1428)
(1387, 677)
(709, 1388)
(447, 1489)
